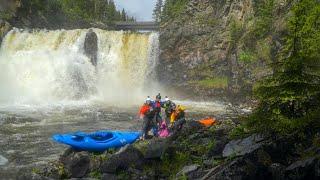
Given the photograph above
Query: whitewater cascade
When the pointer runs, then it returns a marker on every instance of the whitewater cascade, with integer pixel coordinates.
(43, 66)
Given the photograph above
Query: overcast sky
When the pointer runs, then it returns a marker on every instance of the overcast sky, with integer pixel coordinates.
(141, 9)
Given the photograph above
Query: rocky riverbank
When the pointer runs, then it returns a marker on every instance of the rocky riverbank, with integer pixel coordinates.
(196, 152)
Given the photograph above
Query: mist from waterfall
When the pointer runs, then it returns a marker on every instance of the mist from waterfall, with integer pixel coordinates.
(48, 67)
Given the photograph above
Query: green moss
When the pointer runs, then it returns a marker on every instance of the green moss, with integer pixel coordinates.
(35, 171)
(217, 83)
(95, 174)
(202, 19)
(247, 57)
(236, 30)
(201, 71)
(238, 132)
(264, 50)
(123, 175)
(141, 146)
(171, 166)
(5, 15)
(183, 177)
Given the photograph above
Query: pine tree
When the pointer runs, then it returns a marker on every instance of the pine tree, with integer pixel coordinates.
(123, 15)
(293, 91)
(158, 11)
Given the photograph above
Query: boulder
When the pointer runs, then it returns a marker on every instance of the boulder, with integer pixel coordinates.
(77, 163)
(216, 150)
(188, 169)
(83, 179)
(156, 149)
(127, 157)
(254, 165)
(277, 171)
(91, 46)
(243, 146)
(107, 176)
(32, 176)
(237, 169)
(304, 169)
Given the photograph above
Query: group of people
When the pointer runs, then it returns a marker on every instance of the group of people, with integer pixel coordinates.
(151, 114)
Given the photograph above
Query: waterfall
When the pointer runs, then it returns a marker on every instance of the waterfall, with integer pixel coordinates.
(43, 66)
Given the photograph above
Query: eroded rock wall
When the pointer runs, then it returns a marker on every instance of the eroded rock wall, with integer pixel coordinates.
(219, 48)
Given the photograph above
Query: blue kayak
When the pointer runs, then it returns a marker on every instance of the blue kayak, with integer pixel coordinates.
(97, 141)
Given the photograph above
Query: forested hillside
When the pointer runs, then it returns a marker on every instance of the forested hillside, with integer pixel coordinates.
(62, 13)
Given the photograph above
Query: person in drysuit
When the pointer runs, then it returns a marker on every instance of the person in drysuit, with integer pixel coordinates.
(147, 114)
(178, 119)
(169, 108)
(156, 105)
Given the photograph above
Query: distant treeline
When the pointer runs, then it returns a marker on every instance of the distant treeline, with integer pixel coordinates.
(59, 12)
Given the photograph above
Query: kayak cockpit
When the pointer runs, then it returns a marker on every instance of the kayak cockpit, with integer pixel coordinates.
(102, 136)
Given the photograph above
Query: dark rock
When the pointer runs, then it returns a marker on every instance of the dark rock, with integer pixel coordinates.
(208, 162)
(254, 165)
(217, 149)
(277, 171)
(4, 28)
(237, 169)
(83, 179)
(194, 136)
(107, 176)
(156, 149)
(188, 169)
(77, 163)
(125, 158)
(32, 176)
(304, 169)
(91, 46)
(243, 146)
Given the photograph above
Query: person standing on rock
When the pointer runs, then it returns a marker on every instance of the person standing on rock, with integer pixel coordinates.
(157, 107)
(169, 107)
(146, 113)
(178, 118)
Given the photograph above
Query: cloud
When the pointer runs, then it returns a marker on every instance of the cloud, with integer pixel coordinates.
(141, 9)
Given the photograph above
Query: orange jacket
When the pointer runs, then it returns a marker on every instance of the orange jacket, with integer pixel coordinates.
(143, 110)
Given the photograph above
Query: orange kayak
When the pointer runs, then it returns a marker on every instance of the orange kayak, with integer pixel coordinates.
(208, 122)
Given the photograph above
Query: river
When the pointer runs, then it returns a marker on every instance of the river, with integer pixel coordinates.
(26, 131)
(48, 86)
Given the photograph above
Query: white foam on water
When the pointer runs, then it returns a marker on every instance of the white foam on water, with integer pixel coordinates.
(3, 160)
(49, 68)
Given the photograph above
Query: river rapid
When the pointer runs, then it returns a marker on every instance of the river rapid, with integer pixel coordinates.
(26, 131)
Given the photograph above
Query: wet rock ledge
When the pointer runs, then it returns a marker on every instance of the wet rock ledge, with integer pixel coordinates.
(194, 153)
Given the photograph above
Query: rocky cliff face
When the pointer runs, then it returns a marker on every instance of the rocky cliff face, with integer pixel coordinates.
(220, 48)
(4, 28)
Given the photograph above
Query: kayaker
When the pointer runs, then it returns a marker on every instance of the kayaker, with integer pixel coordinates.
(169, 107)
(178, 118)
(157, 108)
(147, 114)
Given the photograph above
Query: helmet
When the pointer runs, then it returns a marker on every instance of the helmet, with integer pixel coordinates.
(167, 99)
(158, 96)
(148, 100)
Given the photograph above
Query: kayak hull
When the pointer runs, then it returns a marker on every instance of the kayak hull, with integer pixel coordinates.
(208, 122)
(98, 141)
